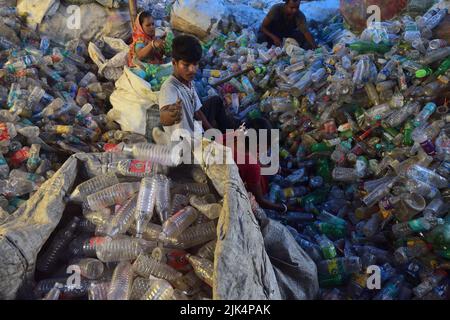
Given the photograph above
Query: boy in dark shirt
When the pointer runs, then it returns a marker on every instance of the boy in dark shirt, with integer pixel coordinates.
(285, 20)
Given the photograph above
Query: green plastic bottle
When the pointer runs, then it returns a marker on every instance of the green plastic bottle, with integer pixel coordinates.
(439, 238)
(334, 231)
(168, 43)
(445, 65)
(323, 169)
(407, 134)
(368, 47)
(316, 197)
(320, 147)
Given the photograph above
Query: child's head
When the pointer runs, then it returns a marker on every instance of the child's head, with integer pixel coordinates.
(147, 23)
(186, 55)
(259, 124)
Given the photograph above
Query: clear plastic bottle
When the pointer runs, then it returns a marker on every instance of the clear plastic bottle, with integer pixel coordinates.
(145, 266)
(196, 235)
(397, 118)
(379, 192)
(162, 204)
(437, 44)
(93, 185)
(427, 176)
(429, 283)
(8, 133)
(179, 222)
(113, 250)
(194, 188)
(423, 224)
(345, 174)
(115, 194)
(91, 268)
(121, 282)
(122, 220)
(203, 268)
(414, 249)
(98, 291)
(162, 154)
(140, 287)
(206, 205)
(87, 79)
(436, 208)
(151, 231)
(391, 290)
(435, 55)
(419, 136)
(159, 290)
(145, 203)
(207, 250)
(372, 225)
(425, 114)
(34, 159)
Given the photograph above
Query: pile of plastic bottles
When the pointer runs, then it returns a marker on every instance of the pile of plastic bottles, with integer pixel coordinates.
(134, 233)
(365, 140)
(52, 105)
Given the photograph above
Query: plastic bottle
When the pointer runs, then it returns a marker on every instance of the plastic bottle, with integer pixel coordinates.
(48, 260)
(203, 268)
(93, 185)
(427, 176)
(419, 136)
(115, 194)
(414, 249)
(159, 290)
(114, 250)
(391, 290)
(341, 266)
(121, 282)
(91, 268)
(145, 203)
(162, 204)
(98, 291)
(345, 174)
(429, 283)
(146, 266)
(55, 293)
(4, 168)
(179, 222)
(122, 220)
(207, 250)
(435, 55)
(417, 225)
(161, 154)
(195, 235)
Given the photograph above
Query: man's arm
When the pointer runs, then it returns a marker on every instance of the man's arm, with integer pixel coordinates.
(170, 114)
(265, 29)
(200, 116)
(264, 203)
(303, 27)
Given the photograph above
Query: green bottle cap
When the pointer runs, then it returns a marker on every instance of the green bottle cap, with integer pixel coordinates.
(422, 73)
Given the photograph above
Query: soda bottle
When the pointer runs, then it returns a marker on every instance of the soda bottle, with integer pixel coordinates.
(145, 204)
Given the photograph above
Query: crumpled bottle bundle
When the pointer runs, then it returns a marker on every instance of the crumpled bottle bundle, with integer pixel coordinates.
(364, 131)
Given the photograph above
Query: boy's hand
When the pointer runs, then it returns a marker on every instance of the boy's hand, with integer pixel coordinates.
(171, 114)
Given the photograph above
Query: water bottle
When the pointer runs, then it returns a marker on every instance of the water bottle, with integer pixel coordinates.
(203, 268)
(425, 114)
(391, 290)
(98, 291)
(140, 287)
(87, 79)
(427, 176)
(115, 194)
(90, 268)
(207, 250)
(159, 290)
(146, 266)
(179, 222)
(335, 266)
(93, 185)
(48, 260)
(429, 283)
(196, 235)
(436, 208)
(417, 225)
(162, 203)
(414, 249)
(161, 154)
(419, 136)
(435, 55)
(121, 282)
(145, 203)
(114, 250)
(150, 233)
(194, 188)
(122, 220)
(207, 205)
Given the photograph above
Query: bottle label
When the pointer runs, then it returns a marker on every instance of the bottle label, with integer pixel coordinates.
(2, 161)
(289, 192)
(333, 267)
(137, 166)
(62, 129)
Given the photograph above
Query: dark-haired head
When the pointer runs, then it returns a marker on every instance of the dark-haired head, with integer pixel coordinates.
(147, 23)
(186, 55)
(292, 7)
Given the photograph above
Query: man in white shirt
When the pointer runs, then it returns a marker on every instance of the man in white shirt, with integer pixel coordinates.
(180, 106)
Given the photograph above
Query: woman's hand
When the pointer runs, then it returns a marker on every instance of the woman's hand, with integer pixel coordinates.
(158, 44)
